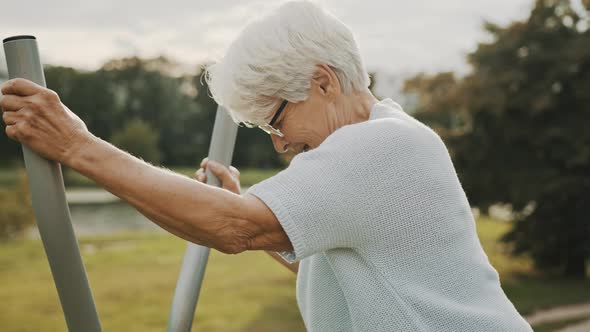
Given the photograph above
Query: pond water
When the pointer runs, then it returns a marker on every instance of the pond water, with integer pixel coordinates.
(105, 218)
(96, 211)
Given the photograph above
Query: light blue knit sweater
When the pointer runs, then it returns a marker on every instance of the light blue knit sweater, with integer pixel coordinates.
(385, 234)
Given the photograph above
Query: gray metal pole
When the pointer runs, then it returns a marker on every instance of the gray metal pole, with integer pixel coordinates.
(195, 259)
(50, 206)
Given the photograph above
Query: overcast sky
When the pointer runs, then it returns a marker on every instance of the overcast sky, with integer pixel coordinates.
(394, 36)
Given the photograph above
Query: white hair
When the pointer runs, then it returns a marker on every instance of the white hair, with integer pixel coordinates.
(275, 58)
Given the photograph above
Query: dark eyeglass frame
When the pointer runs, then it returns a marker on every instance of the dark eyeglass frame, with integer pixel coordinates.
(278, 112)
(268, 128)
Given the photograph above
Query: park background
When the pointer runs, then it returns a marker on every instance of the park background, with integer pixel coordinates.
(507, 88)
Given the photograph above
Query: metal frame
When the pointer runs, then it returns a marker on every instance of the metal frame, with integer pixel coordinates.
(55, 226)
(192, 272)
(50, 205)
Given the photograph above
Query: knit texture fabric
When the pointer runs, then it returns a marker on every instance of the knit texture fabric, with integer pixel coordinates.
(384, 233)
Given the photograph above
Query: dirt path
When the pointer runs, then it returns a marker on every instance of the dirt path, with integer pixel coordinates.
(561, 313)
(580, 327)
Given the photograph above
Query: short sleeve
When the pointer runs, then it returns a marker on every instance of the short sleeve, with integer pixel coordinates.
(361, 187)
(317, 199)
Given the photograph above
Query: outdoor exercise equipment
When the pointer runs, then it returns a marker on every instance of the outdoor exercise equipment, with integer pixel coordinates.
(186, 295)
(55, 226)
(50, 205)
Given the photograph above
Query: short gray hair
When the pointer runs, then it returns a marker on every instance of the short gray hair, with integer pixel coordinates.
(275, 57)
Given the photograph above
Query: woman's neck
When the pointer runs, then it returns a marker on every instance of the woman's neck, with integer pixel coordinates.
(355, 108)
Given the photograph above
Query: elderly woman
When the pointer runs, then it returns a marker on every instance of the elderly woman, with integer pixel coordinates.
(371, 207)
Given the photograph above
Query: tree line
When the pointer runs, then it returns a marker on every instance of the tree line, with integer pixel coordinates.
(145, 107)
(517, 127)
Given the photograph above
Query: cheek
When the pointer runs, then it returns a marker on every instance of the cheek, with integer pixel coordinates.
(311, 133)
(309, 126)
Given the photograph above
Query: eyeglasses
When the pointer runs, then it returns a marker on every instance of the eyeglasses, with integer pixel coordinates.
(268, 128)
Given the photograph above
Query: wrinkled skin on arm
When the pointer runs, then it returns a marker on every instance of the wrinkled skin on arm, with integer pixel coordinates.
(230, 180)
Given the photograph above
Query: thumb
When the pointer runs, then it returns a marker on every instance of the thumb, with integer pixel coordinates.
(228, 181)
(219, 171)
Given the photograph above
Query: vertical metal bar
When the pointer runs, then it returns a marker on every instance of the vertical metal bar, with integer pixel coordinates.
(50, 206)
(195, 259)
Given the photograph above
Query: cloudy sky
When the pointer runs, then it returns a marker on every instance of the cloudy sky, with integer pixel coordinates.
(395, 36)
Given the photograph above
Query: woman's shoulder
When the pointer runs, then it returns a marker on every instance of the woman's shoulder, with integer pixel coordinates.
(389, 127)
(389, 130)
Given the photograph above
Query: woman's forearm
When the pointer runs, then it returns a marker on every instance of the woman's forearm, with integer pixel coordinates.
(192, 210)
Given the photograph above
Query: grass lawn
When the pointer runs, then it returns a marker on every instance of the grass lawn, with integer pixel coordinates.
(133, 278)
(527, 290)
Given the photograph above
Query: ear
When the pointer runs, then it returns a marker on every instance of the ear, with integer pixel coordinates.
(326, 80)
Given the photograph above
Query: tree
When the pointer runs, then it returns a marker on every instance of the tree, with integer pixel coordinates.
(527, 141)
(89, 94)
(439, 101)
(139, 139)
(516, 129)
(162, 95)
(150, 89)
(17, 212)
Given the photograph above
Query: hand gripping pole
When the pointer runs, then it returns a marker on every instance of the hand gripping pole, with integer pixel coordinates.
(50, 206)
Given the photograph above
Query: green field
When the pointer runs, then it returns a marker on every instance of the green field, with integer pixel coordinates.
(527, 289)
(133, 278)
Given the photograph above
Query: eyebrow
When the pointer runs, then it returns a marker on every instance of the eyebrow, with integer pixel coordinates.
(279, 111)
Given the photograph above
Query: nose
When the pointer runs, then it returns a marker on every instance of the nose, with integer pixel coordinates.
(279, 143)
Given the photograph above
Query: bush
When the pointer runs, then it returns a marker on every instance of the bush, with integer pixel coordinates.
(17, 212)
(139, 139)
